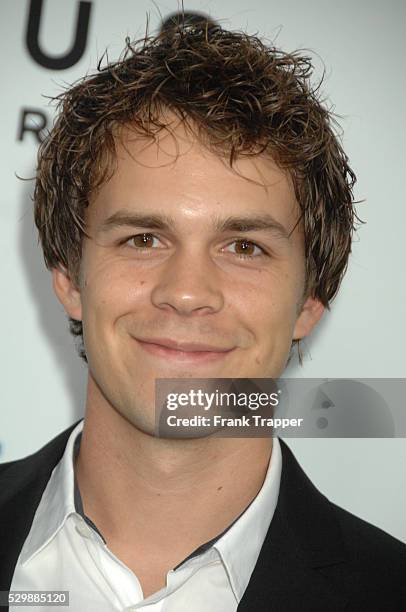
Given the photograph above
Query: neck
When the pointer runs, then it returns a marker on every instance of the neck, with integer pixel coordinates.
(165, 496)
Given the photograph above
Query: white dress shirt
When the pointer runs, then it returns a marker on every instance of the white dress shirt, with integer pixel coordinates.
(63, 552)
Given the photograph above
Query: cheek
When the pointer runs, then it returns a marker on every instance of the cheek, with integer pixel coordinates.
(111, 292)
(273, 311)
(276, 320)
(273, 303)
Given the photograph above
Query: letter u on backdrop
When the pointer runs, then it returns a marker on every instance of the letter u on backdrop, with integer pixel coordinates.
(73, 55)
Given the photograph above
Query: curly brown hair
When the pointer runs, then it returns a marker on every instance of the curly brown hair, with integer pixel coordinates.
(242, 96)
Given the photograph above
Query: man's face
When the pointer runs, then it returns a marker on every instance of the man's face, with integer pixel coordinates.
(170, 262)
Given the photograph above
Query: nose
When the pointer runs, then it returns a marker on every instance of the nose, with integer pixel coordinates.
(189, 284)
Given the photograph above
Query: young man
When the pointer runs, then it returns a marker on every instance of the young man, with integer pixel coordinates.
(195, 208)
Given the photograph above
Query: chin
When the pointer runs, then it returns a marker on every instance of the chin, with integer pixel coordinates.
(143, 425)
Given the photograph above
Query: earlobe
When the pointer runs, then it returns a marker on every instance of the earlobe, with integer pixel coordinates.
(311, 313)
(67, 293)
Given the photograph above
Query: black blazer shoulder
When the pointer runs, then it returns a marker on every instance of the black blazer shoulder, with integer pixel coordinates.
(320, 557)
(316, 556)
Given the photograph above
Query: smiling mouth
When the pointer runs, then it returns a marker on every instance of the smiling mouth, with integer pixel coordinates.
(196, 353)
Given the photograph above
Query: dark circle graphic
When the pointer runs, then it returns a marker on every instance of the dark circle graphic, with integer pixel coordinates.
(322, 422)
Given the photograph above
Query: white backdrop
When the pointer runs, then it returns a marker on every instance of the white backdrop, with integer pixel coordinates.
(362, 45)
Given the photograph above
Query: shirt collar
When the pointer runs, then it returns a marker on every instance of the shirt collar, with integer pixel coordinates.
(57, 502)
(240, 545)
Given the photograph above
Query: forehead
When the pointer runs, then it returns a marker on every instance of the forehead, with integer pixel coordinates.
(177, 173)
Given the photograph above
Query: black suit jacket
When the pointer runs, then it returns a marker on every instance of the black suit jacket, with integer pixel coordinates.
(316, 556)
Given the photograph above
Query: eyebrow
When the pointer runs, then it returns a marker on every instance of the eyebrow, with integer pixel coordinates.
(251, 223)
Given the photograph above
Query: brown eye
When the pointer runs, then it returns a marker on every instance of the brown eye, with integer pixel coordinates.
(143, 241)
(246, 249)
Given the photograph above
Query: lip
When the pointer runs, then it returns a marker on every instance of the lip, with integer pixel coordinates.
(184, 351)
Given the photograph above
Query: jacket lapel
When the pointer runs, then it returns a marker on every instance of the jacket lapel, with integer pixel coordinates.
(295, 569)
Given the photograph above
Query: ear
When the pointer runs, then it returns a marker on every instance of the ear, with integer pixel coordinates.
(311, 313)
(67, 293)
